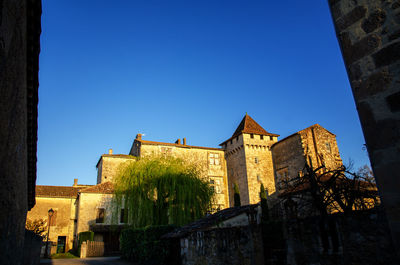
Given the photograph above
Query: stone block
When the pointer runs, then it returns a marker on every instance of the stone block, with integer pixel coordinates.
(395, 35)
(393, 102)
(372, 85)
(387, 55)
(374, 21)
(350, 18)
(354, 52)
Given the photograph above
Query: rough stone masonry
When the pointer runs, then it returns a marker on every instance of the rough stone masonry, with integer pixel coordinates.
(369, 36)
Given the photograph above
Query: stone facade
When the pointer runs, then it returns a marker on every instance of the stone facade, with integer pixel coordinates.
(63, 200)
(369, 33)
(211, 161)
(314, 145)
(62, 220)
(250, 157)
(76, 209)
(109, 165)
(19, 59)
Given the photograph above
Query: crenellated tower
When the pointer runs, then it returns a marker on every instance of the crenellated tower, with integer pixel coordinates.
(249, 160)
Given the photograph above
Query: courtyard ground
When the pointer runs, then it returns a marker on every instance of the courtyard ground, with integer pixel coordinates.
(86, 261)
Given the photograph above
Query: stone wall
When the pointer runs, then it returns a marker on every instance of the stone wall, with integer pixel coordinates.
(320, 145)
(364, 238)
(369, 36)
(19, 56)
(88, 204)
(259, 165)
(65, 210)
(289, 159)
(236, 169)
(235, 245)
(315, 143)
(205, 158)
(32, 248)
(249, 163)
(109, 166)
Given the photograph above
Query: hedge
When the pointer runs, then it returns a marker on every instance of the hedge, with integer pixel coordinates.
(84, 236)
(143, 245)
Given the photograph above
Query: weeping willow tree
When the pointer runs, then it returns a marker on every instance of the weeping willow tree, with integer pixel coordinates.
(162, 190)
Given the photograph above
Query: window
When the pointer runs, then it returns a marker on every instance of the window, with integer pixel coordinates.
(215, 185)
(261, 137)
(251, 136)
(100, 215)
(213, 159)
(256, 160)
(123, 218)
(328, 147)
(271, 138)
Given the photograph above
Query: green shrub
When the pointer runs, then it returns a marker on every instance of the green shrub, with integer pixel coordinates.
(84, 236)
(236, 195)
(145, 246)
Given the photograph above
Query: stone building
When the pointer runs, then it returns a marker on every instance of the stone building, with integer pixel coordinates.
(78, 208)
(314, 145)
(62, 200)
(210, 160)
(251, 156)
(249, 160)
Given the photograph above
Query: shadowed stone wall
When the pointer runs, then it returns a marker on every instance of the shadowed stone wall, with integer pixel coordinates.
(19, 52)
(369, 36)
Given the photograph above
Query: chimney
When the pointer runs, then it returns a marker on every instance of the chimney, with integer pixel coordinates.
(184, 141)
(75, 182)
(110, 151)
(139, 136)
(178, 141)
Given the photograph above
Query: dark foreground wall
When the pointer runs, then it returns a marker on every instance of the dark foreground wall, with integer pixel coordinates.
(363, 238)
(32, 248)
(369, 35)
(19, 52)
(235, 245)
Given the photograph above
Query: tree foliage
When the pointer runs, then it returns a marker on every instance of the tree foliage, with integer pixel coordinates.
(162, 190)
(264, 204)
(236, 195)
(37, 226)
(329, 191)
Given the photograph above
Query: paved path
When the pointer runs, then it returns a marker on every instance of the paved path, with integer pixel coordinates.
(87, 261)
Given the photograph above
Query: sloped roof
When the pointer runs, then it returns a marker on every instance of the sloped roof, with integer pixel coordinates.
(103, 188)
(248, 125)
(302, 131)
(211, 220)
(114, 156)
(57, 191)
(178, 145)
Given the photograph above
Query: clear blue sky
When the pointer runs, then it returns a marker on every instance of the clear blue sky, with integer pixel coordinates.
(192, 68)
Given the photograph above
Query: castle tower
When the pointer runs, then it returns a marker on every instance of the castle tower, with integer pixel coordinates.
(249, 160)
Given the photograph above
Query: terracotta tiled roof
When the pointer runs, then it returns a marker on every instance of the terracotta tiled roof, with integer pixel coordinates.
(248, 125)
(212, 220)
(104, 188)
(178, 145)
(57, 191)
